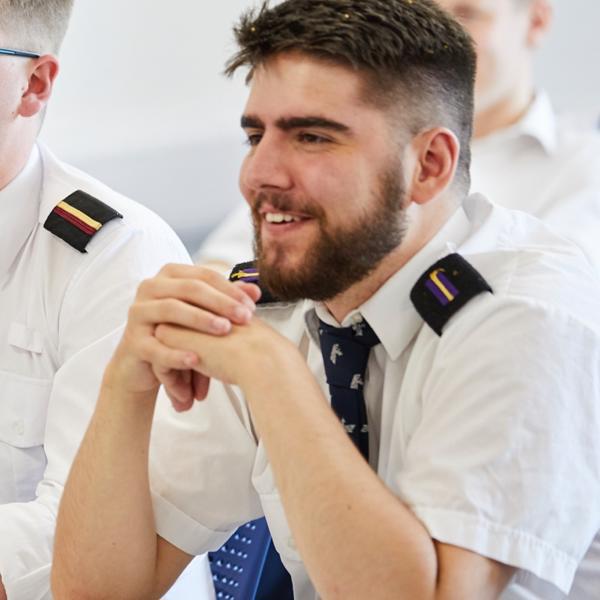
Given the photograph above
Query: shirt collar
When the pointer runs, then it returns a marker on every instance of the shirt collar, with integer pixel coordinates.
(389, 311)
(538, 123)
(19, 203)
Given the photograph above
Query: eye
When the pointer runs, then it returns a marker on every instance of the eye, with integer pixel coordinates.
(312, 138)
(252, 139)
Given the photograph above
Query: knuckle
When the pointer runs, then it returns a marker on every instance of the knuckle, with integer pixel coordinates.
(132, 313)
(161, 332)
(193, 288)
(167, 309)
(210, 276)
(147, 288)
(201, 319)
(168, 269)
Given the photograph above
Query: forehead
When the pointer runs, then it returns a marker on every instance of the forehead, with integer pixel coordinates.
(293, 84)
(453, 6)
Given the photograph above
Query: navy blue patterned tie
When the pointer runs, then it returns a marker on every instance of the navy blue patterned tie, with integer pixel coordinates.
(345, 354)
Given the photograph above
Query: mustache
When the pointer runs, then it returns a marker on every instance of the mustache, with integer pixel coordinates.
(286, 203)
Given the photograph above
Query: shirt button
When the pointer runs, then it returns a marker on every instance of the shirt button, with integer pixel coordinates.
(356, 319)
(19, 427)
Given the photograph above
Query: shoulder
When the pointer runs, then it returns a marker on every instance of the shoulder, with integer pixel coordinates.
(129, 227)
(519, 263)
(119, 255)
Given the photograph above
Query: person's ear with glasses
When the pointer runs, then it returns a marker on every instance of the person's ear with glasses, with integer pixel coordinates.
(37, 79)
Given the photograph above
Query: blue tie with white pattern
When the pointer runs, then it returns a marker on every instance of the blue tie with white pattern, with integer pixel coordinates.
(345, 354)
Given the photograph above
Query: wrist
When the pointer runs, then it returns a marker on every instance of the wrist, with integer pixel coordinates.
(274, 366)
(127, 375)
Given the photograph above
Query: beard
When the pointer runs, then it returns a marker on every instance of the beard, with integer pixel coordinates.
(341, 257)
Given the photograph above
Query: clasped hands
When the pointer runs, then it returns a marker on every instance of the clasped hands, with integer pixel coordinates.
(188, 325)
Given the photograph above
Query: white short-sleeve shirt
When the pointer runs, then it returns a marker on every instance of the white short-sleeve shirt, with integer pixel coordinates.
(60, 314)
(488, 433)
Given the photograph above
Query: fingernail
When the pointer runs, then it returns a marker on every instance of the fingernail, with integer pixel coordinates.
(248, 302)
(220, 326)
(240, 313)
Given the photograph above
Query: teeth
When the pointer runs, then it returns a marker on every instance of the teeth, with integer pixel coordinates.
(280, 218)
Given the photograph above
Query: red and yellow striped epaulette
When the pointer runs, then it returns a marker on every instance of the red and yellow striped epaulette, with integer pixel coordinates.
(78, 218)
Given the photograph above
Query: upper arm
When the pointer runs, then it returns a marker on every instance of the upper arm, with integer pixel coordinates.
(170, 563)
(469, 576)
(497, 428)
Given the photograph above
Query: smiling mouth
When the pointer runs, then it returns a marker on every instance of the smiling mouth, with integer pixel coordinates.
(279, 218)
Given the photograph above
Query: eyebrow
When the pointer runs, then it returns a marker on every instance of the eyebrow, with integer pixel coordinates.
(288, 124)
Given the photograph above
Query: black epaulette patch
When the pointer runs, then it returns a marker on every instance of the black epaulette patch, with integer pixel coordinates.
(78, 218)
(249, 273)
(445, 288)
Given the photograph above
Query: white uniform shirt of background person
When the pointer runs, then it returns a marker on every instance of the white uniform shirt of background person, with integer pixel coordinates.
(60, 314)
(489, 433)
(542, 165)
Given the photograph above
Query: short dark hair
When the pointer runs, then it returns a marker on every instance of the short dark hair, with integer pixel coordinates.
(413, 54)
(36, 25)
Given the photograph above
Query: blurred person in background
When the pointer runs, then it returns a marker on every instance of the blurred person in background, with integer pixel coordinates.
(72, 253)
(524, 156)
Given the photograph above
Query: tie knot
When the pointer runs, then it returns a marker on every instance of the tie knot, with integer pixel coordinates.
(359, 332)
(346, 352)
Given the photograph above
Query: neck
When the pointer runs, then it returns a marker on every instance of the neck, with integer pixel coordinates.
(426, 222)
(504, 113)
(13, 161)
(360, 292)
(16, 145)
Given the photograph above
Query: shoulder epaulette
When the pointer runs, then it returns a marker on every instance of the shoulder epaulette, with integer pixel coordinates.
(248, 272)
(445, 288)
(78, 218)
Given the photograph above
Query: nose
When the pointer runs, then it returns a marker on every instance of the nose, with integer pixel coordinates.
(266, 166)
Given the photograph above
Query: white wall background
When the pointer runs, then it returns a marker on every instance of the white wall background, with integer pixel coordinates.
(142, 105)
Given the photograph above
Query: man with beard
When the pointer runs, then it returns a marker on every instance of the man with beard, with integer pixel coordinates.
(524, 155)
(413, 406)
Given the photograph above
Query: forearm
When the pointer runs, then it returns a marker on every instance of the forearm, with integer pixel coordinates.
(338, 509)
(106, 541)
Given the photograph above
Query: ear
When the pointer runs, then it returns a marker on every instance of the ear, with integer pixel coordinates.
(540, 20)
(435, 155)
(39, 85)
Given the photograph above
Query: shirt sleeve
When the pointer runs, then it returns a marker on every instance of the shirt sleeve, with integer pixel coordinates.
(505, 458)
(90, 321)
(231, 241)
(201, 467)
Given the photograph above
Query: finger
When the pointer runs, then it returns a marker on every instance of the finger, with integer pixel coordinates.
(184, 340)
(233, 303)
(163, 357)
(208, 275)
(177, 386)
(251, 290)
(200, 384)
(177, 312)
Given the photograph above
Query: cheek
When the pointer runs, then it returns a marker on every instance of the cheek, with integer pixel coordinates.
(347, 195)
(243, 180)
